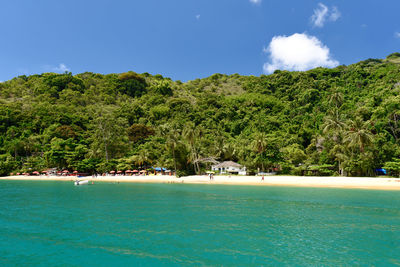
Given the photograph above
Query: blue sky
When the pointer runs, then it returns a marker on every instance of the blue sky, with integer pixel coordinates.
(189, 39)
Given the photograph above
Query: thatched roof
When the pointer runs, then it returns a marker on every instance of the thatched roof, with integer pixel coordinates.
(227, 164)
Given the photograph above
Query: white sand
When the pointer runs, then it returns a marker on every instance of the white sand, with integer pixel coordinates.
(304, 181)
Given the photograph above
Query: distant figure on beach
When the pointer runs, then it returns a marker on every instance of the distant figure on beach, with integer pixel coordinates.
(262, 179)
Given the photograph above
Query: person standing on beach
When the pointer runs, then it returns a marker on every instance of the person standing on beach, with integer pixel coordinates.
(262, 179)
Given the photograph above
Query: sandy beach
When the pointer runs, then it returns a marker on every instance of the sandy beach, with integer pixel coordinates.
(303, 181)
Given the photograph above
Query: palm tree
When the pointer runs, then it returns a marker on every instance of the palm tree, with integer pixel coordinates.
(192, 133)
(333, 123)
(143, 157)
(358, 134)
(336, 98)
(260, 145)
(172, 142)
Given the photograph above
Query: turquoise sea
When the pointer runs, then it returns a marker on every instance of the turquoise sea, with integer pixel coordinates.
(106, 224)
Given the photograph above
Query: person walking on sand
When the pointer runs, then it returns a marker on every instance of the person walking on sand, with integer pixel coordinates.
(262, 178)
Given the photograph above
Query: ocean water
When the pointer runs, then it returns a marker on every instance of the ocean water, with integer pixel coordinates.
(106, 224)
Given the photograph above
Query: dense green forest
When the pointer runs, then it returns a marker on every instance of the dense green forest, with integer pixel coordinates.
(341, 121)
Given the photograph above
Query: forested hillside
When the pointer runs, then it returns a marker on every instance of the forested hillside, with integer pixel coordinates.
(326, 121)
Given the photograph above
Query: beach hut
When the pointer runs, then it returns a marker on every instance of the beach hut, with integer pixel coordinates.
(229, 167)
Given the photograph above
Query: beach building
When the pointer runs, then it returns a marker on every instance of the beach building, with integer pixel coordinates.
(229, 167)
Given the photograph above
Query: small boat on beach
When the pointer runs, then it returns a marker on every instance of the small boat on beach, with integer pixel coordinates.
(81, 182)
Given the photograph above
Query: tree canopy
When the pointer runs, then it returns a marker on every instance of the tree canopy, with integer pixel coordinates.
(343, 120)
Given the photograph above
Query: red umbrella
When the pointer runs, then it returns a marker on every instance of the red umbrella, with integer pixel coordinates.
(128, 171)
(44, 171)
(112, 171)
(35, 173)
(119, 171)
(65, 171)
(12, 174)
(75, 172)
(135, 171)
(18, 173)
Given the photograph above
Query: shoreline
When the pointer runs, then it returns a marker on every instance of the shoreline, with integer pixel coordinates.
(296, 181)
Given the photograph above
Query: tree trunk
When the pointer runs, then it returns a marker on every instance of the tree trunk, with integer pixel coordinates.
(173, 154)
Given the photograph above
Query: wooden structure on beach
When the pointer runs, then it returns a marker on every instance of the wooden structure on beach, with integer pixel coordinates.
(229, 167)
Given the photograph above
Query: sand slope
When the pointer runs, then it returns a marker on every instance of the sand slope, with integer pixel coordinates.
(304, 181)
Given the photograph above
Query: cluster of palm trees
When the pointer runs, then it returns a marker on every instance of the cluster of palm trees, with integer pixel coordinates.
(348, 139)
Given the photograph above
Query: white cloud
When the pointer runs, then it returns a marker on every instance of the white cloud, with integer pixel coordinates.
(297, 52)
(397, 34)
(335, 14)
(322, 13)
(198, 17)
(61, 68)
(319, 16)
(256, 2)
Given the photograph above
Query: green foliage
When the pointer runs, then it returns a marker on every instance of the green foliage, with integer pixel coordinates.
(393, 167)
(344, 120)
(131, 84)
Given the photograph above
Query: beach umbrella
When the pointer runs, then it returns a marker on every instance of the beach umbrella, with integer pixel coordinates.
(35, 173)
(65, 171)
(112, 171)
(44, 171)
(135, 171)
(75, 172)
(12, 174)
(18, 173)
(128, 171)
(119, 171)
